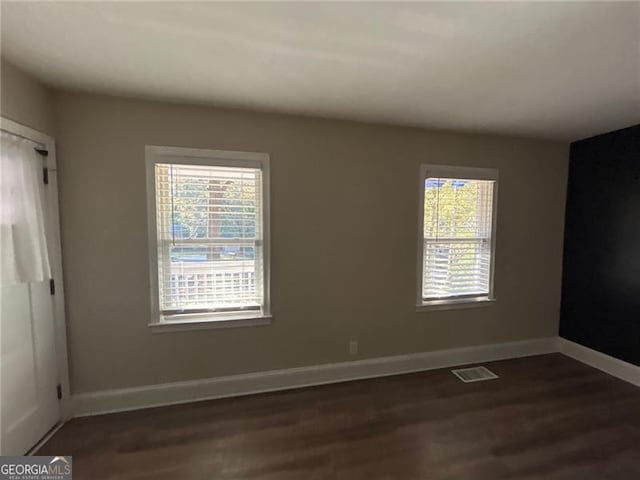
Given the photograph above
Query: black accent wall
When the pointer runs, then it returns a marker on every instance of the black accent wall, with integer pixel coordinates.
(601, 269)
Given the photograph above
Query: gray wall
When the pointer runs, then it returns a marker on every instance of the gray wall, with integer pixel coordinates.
(24, 100)
(344, 235)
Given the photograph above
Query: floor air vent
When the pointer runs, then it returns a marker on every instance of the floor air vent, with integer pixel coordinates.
(474, 374)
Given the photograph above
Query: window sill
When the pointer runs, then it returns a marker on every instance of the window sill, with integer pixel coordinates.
(210, 323)
(455, 304)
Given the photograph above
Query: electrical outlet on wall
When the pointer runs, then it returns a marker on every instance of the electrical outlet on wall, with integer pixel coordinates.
(353, 347)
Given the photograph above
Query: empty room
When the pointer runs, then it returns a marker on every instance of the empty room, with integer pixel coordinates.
(319, 240)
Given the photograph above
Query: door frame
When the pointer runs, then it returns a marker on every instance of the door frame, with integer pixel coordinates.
(55, 256)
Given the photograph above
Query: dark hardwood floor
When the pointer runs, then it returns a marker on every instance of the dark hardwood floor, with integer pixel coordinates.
(547, 417)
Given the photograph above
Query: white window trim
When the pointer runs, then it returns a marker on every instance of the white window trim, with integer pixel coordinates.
(468, 173)
(196, 156)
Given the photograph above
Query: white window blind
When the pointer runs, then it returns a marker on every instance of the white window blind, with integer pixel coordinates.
(209, 227)
(457, 238)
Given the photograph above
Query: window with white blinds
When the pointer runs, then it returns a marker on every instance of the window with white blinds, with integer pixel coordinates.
(458, 211)
(209, 235)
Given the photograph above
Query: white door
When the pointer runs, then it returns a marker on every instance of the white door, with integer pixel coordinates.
(28, 363)
(30, 405)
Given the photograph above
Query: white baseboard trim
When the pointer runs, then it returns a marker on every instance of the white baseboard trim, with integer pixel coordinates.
(110, 401)
(617, 368)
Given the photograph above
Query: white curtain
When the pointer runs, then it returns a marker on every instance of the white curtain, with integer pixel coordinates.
(23, 247)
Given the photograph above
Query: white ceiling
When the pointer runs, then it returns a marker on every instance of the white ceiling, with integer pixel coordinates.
(560, 70)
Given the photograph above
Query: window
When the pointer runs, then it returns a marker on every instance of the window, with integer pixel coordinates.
(457, 234)
(208, 220)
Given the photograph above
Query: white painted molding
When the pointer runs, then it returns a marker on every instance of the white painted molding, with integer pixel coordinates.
(618, 368)
(109, 401)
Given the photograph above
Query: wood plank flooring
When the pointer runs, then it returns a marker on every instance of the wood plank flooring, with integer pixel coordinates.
(547, 417)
